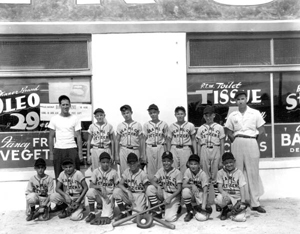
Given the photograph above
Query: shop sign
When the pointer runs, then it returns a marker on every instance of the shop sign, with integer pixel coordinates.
(19, 150)
(287, 140)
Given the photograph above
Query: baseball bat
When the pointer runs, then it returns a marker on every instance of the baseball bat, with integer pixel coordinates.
(165, 223)
(119, 222)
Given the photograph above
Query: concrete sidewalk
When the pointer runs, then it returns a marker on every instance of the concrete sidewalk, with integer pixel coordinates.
(283, 216)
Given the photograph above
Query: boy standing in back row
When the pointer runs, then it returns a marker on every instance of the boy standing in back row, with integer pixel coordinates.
(101, 139)
(155, 132)
(181, 138)
(129, 139)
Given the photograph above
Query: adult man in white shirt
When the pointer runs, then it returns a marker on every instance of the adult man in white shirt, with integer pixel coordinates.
(244, 126)
(64, 128)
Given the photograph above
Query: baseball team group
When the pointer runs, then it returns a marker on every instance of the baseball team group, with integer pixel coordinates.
(156, 166)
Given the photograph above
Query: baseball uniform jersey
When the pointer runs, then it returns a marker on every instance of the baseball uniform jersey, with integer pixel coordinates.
(155, 134)
(181, 143)
(134, 183)
(209, 138)
(200, 180)
(100, 140)
(129, 141)
(107, 179)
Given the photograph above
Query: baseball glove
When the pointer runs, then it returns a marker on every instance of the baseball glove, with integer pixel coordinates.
(237, 208)
(144, 220)
(72, 207)
(207, 211)
(101, 221)
(42, 213)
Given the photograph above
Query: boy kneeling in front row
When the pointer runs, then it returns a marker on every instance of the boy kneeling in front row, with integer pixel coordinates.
(231, 185)
(70, 191)
(195, 186)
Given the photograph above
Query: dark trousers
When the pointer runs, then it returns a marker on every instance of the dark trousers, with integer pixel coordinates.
(60, 154)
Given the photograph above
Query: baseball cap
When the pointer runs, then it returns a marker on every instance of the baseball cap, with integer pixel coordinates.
(99, 110)
(125, 107)
(240, 92)
(227, 156)
(194, 157)
(167, 154)
(209, 110)
(132, 157)
(67, 161)
(104, 155)
(153, 107)
(178, 108)
(40, 162)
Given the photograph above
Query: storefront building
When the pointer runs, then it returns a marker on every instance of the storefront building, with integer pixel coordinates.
(171, 53)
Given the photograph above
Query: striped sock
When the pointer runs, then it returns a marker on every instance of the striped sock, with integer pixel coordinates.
(154, 202)
(121, 205)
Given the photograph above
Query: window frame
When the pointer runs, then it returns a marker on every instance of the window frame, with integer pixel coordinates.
(49, 72)
(249, 68)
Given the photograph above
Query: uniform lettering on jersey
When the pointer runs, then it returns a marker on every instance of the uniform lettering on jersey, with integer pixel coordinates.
(71, 184)
(105, 181)
(213, 133)
(230, 184)
(167, 181)
(40, 189)
(130, 131)
(133, 185)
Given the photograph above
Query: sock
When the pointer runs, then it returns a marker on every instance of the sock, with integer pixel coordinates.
(189, 207)
(154, 202)
(91, 206)
(121, 206)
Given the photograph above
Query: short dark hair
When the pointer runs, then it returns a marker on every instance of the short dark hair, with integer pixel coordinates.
(180, 108)
(63, 97)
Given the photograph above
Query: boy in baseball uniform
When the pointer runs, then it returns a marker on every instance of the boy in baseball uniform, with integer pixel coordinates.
(101, 139)
(166, 187)
(181, 138)
(103, 182)
(231, 185)
(210, 137)
(38, 191)
(155, 132)
(131, 189)
(70, 191)
(129, 139)
(195, 187)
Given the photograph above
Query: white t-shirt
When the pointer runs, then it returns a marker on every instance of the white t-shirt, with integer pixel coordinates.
(65, 128)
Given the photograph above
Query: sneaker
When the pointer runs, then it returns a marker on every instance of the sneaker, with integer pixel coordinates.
(224, 213)
(218, 208)
(90, 217)
(189, 216)
(259, 209)
(120, 216)
(99, 206)
(157, 215)
(63, 214)
(30, 216)
(179, 210)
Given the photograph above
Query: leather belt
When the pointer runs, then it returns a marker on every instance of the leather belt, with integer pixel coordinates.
(154, 145)
(210, 147)
(169, 192)
(100, 147)
(130, 147)
(243, 136)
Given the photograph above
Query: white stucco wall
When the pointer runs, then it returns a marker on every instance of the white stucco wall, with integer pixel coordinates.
(138, 70)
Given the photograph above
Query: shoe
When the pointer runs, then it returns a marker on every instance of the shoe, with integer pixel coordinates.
(179, 210)
(218, 208)
(121, 216)
(259, 209)
(90, 217)
(63, 214)
(157, 215)
(30, 216)
(58, 208)
(224, 213)
(99, 206)
(189, 216)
